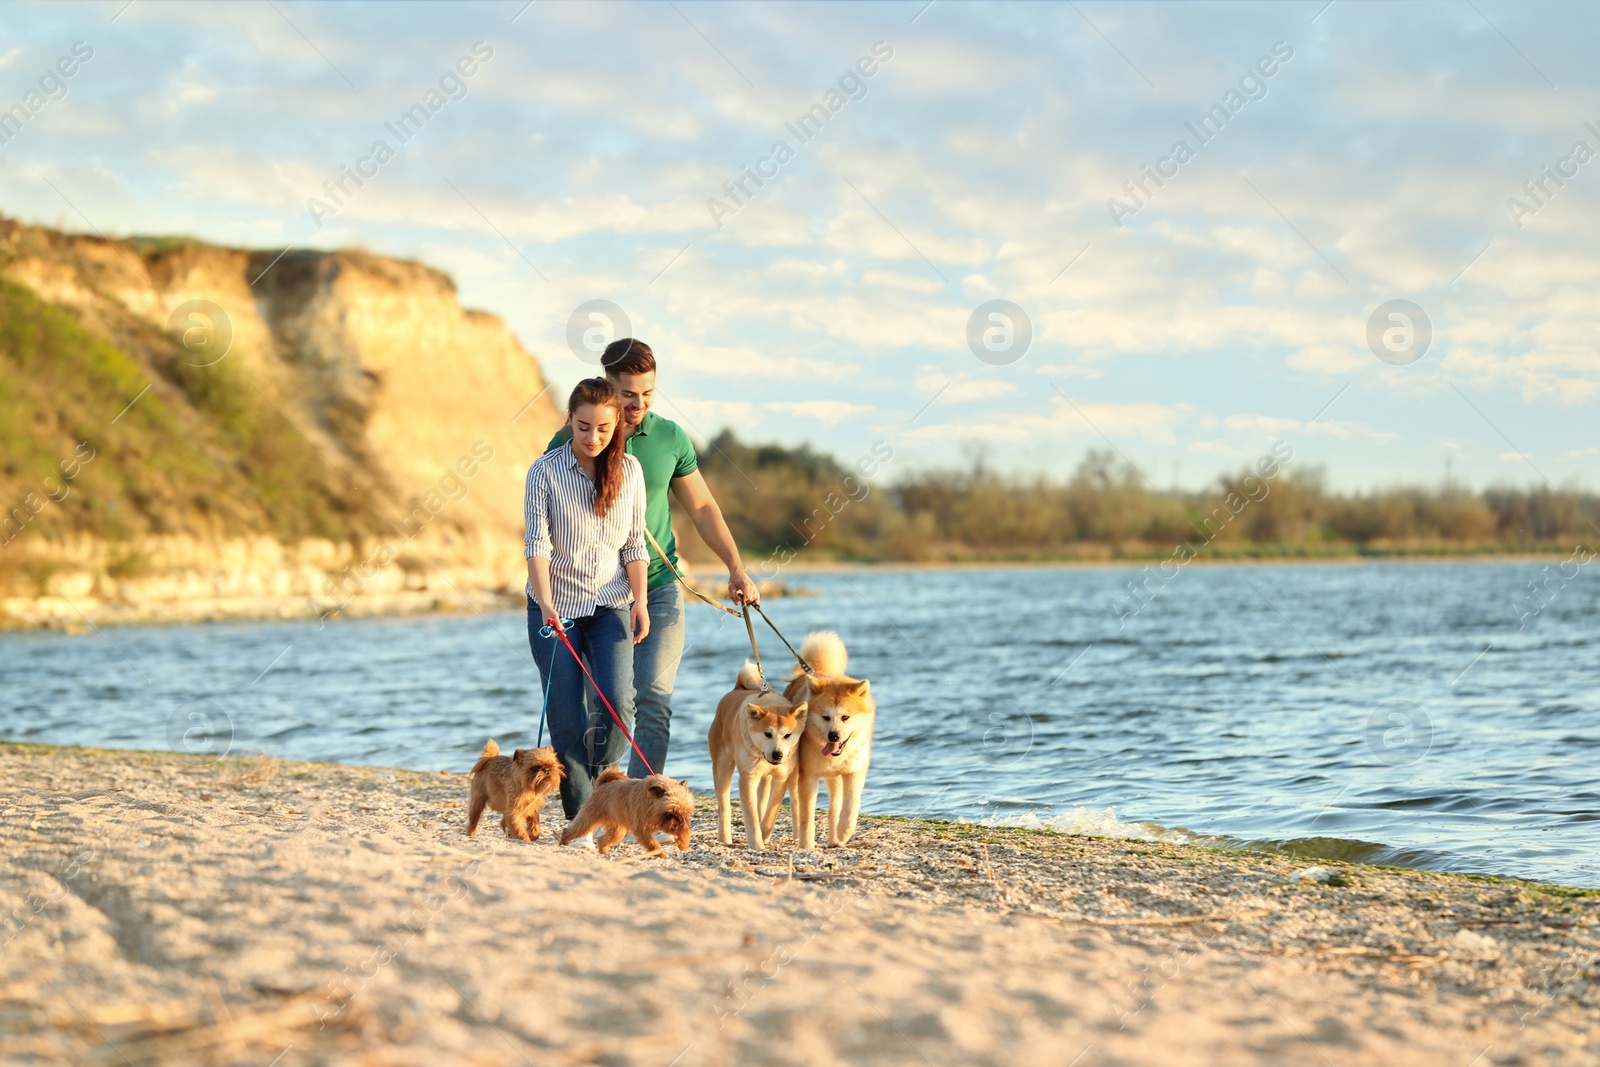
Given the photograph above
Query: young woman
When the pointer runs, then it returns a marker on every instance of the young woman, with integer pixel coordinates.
(587, 562)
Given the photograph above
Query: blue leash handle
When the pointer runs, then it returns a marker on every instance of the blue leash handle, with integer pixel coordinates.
(547, 631)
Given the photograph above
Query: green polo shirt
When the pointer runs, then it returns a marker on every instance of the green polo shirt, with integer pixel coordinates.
(665, 452)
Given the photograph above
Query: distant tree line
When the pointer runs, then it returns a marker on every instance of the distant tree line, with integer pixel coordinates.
(780, 499)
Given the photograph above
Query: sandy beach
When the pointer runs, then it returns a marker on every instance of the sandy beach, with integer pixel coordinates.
(167, 909)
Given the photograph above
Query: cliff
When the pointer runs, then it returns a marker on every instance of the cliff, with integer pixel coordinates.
(194, 431)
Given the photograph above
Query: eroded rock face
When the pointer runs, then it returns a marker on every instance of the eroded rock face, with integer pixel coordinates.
(418, 412)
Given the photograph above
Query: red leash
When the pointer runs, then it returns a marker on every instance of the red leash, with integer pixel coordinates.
(618, 718)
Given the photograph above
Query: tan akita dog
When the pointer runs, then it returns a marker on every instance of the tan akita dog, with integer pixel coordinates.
(837, 746)
(756, 732)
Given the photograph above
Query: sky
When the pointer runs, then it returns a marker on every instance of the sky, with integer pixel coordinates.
(985, 239)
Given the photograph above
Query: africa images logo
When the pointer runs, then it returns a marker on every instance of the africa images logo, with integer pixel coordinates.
(852, 85)
(1252, 86)
(52, 86)
(404, 129)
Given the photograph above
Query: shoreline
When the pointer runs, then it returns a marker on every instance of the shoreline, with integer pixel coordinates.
(60, 614)
(827, 566)
(166, 909)
(1150, 832)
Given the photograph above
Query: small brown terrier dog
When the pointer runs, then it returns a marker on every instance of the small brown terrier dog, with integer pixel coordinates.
(515, 786)
(621, 805)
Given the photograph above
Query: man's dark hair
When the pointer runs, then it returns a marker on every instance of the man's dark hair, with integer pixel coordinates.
(628, 356)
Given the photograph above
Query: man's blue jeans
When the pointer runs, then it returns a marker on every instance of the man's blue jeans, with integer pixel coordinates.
(603, 640)
(655, 670)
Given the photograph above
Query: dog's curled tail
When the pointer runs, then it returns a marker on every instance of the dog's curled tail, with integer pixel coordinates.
(610, 774)
(749, 677)
(490, 751)
(824, 650)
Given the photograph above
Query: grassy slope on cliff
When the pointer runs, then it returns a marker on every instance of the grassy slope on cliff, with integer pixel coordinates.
(202, 451)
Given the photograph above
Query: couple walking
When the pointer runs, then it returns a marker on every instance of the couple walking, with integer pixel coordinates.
(593, 503)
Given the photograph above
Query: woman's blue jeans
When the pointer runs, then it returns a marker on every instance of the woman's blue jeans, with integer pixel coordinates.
(578, 737)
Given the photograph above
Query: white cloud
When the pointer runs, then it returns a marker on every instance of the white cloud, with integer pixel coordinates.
(742, 362)
(239, 177)
(977, 389)
(1219, 448)
(955, 388)
(180, 94)
(1328, 360)
(603, 89)
(827, 412)
(1260, 423)
(705, 418)
(1153, 423)
(1275, 426)
(906, 283)
(1071, 370)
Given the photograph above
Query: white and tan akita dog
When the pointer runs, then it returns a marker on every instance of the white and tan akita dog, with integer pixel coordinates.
(837, 745)
(755, 732)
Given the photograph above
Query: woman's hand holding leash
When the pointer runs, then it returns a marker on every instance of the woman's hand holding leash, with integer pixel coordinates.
(539, 582)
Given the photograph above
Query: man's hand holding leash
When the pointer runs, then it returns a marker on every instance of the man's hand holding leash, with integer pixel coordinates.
(742, 588)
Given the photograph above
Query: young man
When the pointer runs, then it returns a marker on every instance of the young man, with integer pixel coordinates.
(664, 450)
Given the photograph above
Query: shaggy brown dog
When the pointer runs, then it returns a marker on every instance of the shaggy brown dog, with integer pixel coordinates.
(515, 786)
(621, 805)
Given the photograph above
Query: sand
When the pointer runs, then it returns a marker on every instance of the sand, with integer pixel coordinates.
(163, 909)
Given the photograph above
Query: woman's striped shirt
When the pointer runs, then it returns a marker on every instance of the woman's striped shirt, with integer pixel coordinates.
(587, 552)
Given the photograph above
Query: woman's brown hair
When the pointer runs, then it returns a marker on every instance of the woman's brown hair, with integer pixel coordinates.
(608, 464)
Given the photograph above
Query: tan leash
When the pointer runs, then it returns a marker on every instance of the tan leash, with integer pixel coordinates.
(798, 658)
(679, 576)
(745, 614)
(750, 630)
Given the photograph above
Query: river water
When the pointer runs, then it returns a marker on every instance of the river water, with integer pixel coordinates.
(1424, 714)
